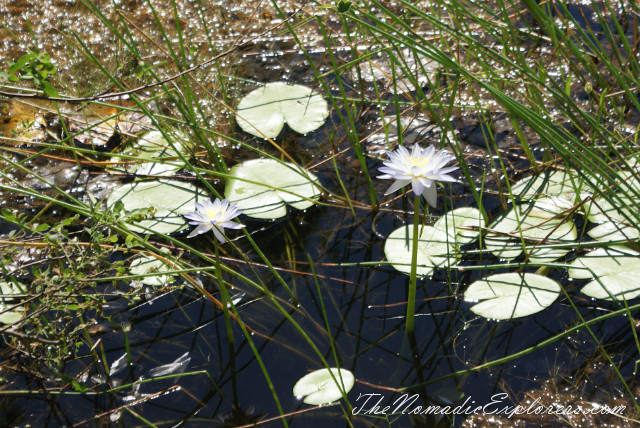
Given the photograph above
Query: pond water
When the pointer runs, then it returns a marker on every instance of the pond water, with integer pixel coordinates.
(343, 295)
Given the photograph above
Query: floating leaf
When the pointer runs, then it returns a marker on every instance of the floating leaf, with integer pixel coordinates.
(263, 111)
(458, 223)
(511, 295)
(8, 289)
(613, 221)
(615, 270)
(319, 387)
(538, 226)
(435, 247)
(12, 316)
(170, 199)
(148, 264)
(564, 185)
(421, 68)
(263, 187)
(153, 147)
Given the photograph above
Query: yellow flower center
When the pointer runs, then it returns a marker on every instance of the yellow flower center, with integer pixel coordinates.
(212, 213)
(419, 162)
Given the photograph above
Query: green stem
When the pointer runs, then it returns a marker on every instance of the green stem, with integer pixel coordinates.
(411, 299)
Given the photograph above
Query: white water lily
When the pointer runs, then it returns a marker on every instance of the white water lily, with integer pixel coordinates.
(420, 167)
(215, 216)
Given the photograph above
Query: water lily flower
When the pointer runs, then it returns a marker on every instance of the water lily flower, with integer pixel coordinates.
(215, 216)
(420, 167)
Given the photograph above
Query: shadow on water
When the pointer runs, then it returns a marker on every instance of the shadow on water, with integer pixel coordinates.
(328, 259)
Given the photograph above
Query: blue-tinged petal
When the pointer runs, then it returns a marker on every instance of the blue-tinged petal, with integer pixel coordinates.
(431, 195)
(397, 185)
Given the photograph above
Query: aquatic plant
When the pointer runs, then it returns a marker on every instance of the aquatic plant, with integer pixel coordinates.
(215, 216)
(421, 168)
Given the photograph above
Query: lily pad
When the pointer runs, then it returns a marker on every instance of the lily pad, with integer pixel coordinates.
(10, 317)
(537, 226)
(264, 111)
(458, 223)
(435, 248)
(615, 272)
(613, 223)
(170, 199)
(263, 187)
(563, 185)
(320, 387)
(146, 265)
(153, 147)
(511, 295)
(8, 289)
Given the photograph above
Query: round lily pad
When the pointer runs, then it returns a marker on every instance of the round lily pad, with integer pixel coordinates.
(613, 223)
(511, 295)
(150, 149)
(535, 224)
(435, 248)
(324, 386)
(614, 271)
(564, 185)
(264, 111)
(8, 289)
(170, 199)
(459, 223)
(10, 317)
(146, 265)
(263, 187)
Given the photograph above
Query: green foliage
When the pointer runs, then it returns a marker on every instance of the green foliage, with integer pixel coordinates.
(36, 67)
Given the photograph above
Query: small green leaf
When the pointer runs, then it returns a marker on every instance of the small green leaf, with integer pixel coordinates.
(48, 89)
(18, 65)
(77, 386)
(344, 6)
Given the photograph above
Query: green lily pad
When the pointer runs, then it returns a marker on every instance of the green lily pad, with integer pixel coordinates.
(615, 272)
(435, 248)
(458, 223)
(146, 265)
(153, 147)
(319, 387)
(511, 295)
(613, 223)
(263, 187)
(264, 111)
(12, 316)
(563, 185)
(536, 223)
(170, 199)
(8, 289)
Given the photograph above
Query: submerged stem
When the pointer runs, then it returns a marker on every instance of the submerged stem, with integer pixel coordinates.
(411, 299)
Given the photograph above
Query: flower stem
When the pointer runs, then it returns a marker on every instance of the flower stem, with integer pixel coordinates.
(411, 298)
